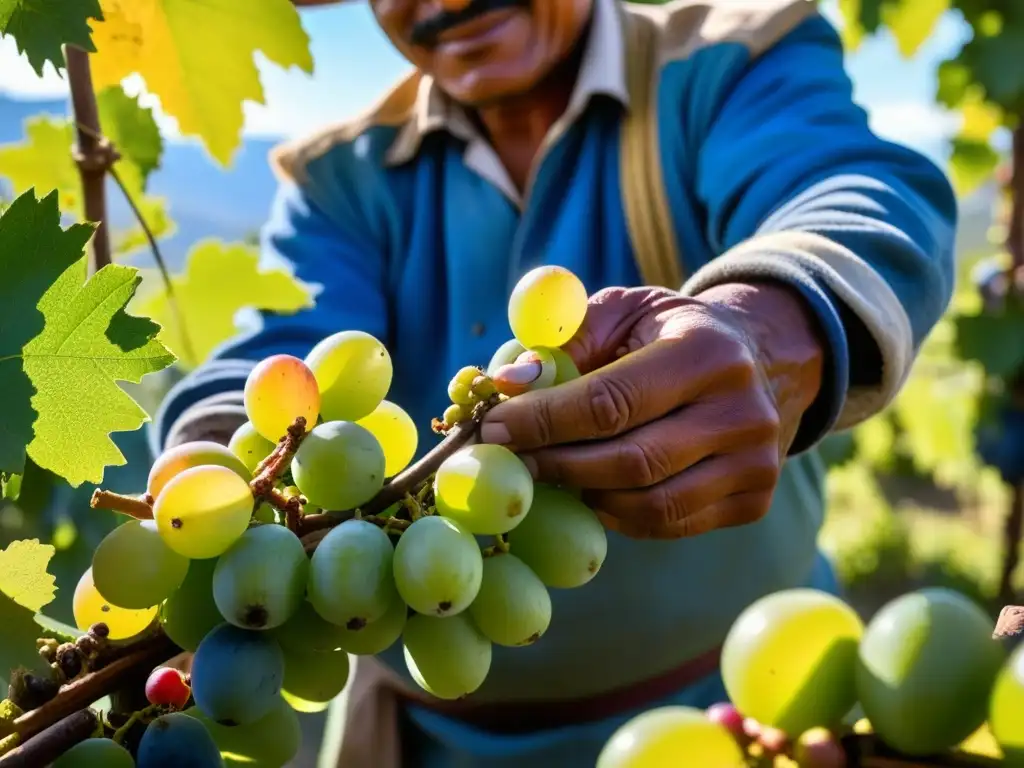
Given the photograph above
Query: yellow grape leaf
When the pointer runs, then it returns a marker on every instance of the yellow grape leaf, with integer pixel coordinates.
(980, 118)
(43, 160)
(219, 280)
(197, 57)
(23, 576)
(852, 31)
(913, 21)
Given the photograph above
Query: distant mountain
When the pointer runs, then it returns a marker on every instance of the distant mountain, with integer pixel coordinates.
(208, 201)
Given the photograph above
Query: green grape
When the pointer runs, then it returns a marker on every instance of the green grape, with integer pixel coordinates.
(379, 635)
(460, 388)
(397, 434)
(505, 354)
(272, 741)
(789, 660)
(548, 367)
(261, 580)
(237, 675)
(353, 371)
(513, 606)
(447, 657)
(1006, 709)
(203, 511)
(315, 676)
(484, 487)
(198, 453)
(456, 414)
(351, 581)
(339, 465)
(671, 736)
(926, 668)
(133, 568)
(279, 390)
(565, 368)
(562, 539)
(547, 307)
(95, 753)
(90, 607)
(483, 388)
(191, 613)
(265, 513)
(438, 566)
(307, 630)
(250, 446)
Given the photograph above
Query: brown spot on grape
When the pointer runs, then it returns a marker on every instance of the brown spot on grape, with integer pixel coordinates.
(176, 523)
(255, 616)
(531, 639)
(104, 608)
(444, 606)
(515, 508)
(593, 566)
(355, 623)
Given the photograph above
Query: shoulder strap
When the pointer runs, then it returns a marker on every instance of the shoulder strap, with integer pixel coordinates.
(643, 191)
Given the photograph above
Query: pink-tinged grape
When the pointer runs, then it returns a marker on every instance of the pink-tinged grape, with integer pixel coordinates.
(340, 465)
(351, 581)
(396, 432)
(506, 354)
(97, 752)
(728, 717)
(927, 667)
(376, 637)
(353, 371)
(1006, 709)
(438, 566)
(485, 488)
(547, 307)
(134, 568)
(190, 613)
(167, 687)
(447, 657)
(237, 675)
(315, 676)
(562, 539)
(250, 446)
(261, 580)
(197, 453)
(513, 607)
(671, 736)
(789, 661)
(279, 390)
(271, 742)
(819, 748)
(203, 511)
(90, 607)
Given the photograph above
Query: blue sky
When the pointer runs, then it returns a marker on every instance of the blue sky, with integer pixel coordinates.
(355, 63)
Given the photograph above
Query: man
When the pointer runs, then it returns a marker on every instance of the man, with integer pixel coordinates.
(817, 257)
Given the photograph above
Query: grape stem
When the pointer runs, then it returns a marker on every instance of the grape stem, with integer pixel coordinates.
(139, 507)
(53, 741)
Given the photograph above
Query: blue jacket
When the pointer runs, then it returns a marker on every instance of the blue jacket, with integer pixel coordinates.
(406, 220)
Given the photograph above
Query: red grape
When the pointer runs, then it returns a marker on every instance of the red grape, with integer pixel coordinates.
(728, 716)
(167, 687)
(818, 748)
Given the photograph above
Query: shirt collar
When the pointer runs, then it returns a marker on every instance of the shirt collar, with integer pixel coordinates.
(602, 72)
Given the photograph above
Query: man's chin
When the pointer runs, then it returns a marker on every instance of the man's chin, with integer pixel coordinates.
(481, 90)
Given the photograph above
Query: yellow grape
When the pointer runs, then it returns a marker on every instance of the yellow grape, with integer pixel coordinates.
(277, 392)
(547, 307)
(1006, 711)
(396, 432)
(203, 511)
(196, 453)
(353, 371)
(90, 608)
(668, 737)
(250, 446)
(790, 659)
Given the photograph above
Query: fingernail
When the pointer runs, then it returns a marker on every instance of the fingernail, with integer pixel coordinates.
(531, 465)
(494, 432)
(515, 378)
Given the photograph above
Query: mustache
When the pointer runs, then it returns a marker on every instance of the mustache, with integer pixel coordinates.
(427, 32)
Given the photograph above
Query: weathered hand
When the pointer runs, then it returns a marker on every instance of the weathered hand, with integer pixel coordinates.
(688, 431)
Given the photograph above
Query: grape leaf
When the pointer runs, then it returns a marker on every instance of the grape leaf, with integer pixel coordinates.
(25, 587)
(64, 347)
(912, 21)
(219, 280)
(43, 160)
(994, 340)
(41, 27)
(971, 164)
(198, 58)
(134, 132)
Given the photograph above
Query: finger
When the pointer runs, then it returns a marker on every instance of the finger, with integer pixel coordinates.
(626, 394)
(656, 451)
(699, 499)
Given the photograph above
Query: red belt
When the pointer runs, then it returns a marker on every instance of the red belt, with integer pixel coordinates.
(526, 716)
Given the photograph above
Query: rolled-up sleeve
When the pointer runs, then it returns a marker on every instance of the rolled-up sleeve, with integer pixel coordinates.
(797, 188)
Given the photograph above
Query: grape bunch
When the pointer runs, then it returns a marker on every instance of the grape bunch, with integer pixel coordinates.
(796, 664)
(462, 562)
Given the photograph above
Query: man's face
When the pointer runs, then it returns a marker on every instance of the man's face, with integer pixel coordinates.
(481, 51)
